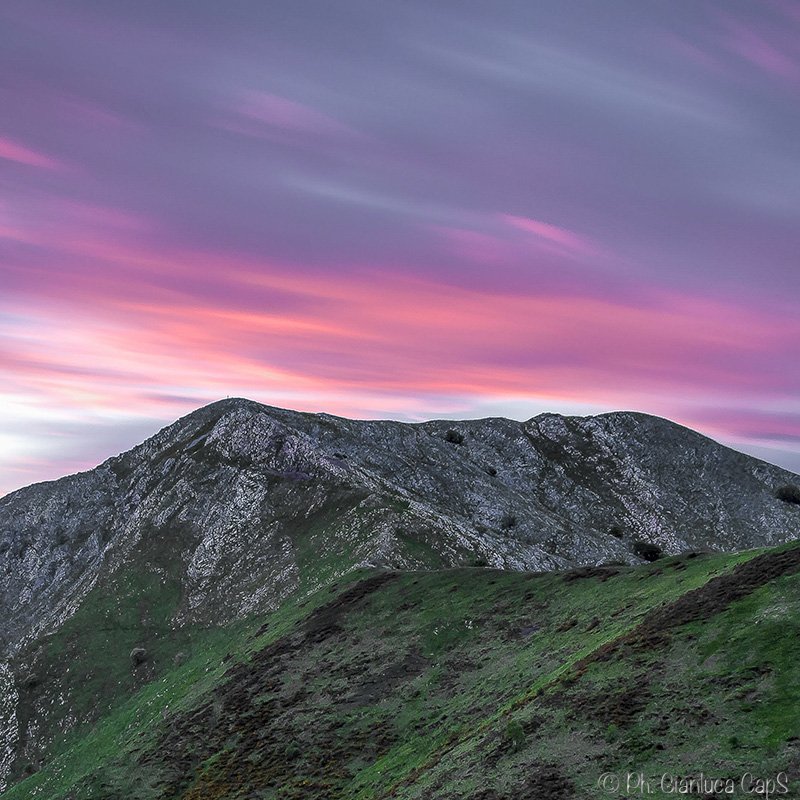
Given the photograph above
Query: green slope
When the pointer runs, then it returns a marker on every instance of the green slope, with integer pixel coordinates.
(468, 683)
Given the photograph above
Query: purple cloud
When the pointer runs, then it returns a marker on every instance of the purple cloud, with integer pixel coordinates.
(396, 209)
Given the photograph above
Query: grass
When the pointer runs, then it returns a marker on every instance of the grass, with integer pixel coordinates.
(439, 684)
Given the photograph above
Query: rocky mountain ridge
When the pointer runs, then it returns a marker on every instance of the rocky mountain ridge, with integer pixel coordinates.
(249, 503)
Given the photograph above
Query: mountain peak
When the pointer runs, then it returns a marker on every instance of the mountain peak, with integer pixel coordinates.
(262, 501)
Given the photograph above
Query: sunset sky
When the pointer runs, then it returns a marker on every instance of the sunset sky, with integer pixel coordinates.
(398, 208)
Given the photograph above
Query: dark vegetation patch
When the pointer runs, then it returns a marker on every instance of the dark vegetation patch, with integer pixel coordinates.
(718, 593)
(260, 725)
(323, 622)
(508, 521)
(647, 550)
(537, 781)
(371, 688)
(699, 604)
(789, 494)
(545, 782)
(621, 707)
(454, 437)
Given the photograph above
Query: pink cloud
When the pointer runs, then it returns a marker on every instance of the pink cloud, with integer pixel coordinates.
(385, 333)
(761, 50)
(56, 222)
(368, 344)
(474, 245)
(551, 234)
(13, 151)
(259, 113)
(506, 238)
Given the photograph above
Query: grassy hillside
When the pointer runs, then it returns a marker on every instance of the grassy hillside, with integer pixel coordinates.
(466, 683)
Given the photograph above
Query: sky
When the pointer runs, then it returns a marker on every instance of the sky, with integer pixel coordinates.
(396, 208)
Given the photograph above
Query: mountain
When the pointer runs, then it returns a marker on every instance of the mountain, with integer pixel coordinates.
(222, 534)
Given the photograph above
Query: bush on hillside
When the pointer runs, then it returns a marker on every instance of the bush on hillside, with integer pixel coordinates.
(507, 521)
(789, 494)
(515, 736)
(454, 437)
(647, 550)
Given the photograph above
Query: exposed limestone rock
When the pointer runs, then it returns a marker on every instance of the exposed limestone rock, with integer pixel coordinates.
(248, 496)
(9, 728)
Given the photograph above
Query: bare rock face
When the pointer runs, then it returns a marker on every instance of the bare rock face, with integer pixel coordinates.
(247, 504)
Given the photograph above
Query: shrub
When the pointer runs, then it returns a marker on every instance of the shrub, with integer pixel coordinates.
(515, 736)
(616, 531)
(479, 561)
(507, 521)
(138, 656)
(789, 494)
(454, 437)
(647, 550)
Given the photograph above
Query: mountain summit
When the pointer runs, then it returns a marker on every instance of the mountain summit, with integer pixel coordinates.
(244, 504)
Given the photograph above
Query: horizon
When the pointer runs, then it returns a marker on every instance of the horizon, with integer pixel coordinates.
(396, 211)
(442, 418)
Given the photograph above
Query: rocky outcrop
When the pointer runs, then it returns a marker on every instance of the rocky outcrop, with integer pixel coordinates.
(245, 504)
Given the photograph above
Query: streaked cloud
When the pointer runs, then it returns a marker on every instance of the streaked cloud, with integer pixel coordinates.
(261, 113)
(20, 154)
(567, 240)
(395, 210)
